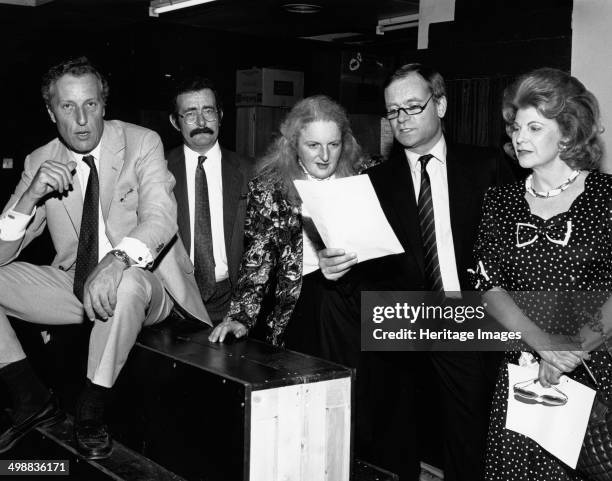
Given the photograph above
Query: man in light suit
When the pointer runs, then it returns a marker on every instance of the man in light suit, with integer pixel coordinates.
(211, 189)
(103, 190)
(438, 252)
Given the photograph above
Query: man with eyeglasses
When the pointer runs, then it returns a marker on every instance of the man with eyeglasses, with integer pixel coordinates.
(431, 192)
(211, 188)
(103, 190)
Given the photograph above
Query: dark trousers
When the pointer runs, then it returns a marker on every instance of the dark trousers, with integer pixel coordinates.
(466, 381)
(388, 412)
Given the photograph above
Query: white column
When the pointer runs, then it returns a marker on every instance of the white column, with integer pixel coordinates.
(432, 11)
(592, 58)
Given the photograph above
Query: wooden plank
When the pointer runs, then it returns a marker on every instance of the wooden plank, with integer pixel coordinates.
(123, 464)
(264, 435)
(246, 361)
(302, 430)
(339, 430)
(315, 427)
(290, 432)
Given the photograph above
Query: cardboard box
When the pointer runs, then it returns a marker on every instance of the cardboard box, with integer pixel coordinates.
(269, 87)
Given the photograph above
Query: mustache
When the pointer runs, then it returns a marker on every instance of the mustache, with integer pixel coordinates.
(201, 130)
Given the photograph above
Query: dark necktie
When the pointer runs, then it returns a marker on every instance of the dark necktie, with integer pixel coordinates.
(433, 277)
(204, 260)
(87, 252)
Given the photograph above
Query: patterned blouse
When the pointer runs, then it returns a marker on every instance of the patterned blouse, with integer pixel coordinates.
(273, 256)
(273, 251)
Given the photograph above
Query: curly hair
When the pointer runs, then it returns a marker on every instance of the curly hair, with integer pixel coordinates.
(77, 67)
(558, 96)
(281, 159)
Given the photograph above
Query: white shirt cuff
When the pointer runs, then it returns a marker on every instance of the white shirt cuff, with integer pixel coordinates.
(13, 224)
(137, 251)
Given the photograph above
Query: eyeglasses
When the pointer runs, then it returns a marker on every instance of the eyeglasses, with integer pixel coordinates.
(524, 393)
(412, 110)
(210, 115)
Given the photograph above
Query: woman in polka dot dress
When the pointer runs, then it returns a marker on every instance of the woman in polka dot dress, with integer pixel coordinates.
(544, 255)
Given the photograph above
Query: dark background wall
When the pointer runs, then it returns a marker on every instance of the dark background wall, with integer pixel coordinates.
(488, 44)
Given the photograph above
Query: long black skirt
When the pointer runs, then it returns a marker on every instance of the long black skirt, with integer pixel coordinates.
(325, 322)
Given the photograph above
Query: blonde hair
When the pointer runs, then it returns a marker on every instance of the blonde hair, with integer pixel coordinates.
(281, 159)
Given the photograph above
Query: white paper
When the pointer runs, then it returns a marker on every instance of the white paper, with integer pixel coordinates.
(558, 429)
(348, 215)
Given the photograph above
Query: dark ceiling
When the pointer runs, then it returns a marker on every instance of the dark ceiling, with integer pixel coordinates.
(252, 17)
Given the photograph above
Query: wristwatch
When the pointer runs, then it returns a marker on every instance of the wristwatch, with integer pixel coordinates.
(122, 256)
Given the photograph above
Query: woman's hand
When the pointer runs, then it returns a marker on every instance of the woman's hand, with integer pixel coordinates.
(334, 263)
(238, 329)
(564, 353)
(548, 374)
(564, 361)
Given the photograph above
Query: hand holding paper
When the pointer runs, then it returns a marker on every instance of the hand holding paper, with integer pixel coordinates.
(348, 216)
(557, 427)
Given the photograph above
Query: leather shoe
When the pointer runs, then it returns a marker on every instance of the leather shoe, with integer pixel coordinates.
(93, 440)
(48, 414)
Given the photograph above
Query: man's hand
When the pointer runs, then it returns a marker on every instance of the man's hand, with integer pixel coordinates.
(52, 176)
(100, 290)
(334, 263)
(236, 328)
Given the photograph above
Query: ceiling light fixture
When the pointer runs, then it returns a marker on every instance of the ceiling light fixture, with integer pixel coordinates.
(26, 3)
(302, 7)
(161, 6)
(397, 23)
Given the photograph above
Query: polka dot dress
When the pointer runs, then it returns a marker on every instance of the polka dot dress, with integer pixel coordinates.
(570, 257)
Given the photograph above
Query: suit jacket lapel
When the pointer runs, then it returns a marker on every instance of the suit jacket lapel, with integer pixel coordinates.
(231, 179)
(111, 163)
(73, 202)
(459, 192)
(403, 203)
(176, 164)
(410, 218)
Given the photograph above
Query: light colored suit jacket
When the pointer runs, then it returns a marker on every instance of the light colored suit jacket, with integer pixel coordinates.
(136, 199)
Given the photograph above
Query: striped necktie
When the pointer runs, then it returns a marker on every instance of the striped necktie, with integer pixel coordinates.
(433, 276)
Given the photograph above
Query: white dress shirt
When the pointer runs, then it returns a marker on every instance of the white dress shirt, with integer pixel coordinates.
(13, 224)
(436, 168)
(212, 168)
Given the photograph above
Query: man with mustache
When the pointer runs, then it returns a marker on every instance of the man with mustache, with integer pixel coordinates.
(211, 188)
(104, 192)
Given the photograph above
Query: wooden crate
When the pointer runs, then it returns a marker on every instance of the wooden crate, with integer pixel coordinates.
(237, 411)
(301, 432)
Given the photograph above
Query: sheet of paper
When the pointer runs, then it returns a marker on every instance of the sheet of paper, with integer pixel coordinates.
(348, 215)
(558, 429)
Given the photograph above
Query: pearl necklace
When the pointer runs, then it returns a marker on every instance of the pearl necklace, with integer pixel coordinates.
(553, 192)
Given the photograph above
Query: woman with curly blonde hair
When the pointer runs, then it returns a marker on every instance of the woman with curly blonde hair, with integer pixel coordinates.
(281, 243)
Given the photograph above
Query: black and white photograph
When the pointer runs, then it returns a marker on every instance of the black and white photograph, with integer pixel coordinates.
(339, 240)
